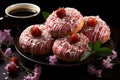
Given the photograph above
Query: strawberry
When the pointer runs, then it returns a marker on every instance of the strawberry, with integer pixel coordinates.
(14, 59)
(61, 13)
(12, 69)
(74, 39)
(91, 22)
(1, 53)
(35, 31)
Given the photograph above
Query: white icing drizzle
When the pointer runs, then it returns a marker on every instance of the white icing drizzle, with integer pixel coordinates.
(74, 50)
(36, 45)
(59, 27)
(100, 32)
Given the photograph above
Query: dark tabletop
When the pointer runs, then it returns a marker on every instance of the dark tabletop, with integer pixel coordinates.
(107, 12)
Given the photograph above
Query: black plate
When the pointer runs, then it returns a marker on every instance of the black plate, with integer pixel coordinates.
(45, 61)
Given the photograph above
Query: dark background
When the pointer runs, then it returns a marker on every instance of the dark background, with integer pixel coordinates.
(108, 10)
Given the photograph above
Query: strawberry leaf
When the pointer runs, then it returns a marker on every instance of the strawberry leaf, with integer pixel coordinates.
(103, 51)
(45, 15)
(85, 55)
(90, 44)
(96, 49)
(97, 45)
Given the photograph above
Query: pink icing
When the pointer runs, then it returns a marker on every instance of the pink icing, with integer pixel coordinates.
(36, 45)
(100, 32)
(59, 27)
(73, 52)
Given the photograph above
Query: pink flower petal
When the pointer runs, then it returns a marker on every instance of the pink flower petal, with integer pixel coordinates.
(8, 51)
(91, 69)
(106, 63)
(114, 55)
(52, 59)
(98, 73)
(36, 75)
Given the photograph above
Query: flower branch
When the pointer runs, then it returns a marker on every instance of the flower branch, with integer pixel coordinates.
(14, 65)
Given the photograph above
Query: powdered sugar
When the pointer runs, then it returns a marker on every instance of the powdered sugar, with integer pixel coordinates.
(60, 27)
(100, 32)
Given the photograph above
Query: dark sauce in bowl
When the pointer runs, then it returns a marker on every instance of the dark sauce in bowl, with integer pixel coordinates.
(22, 12)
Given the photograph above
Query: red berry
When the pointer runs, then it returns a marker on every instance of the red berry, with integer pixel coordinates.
(74, 38)
(1, 53)
(61, 13)
(36, 31)
(91, 22)
(12, 69)
(14, 59)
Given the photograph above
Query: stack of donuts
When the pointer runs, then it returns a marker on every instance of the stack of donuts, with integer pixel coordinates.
(66, 34)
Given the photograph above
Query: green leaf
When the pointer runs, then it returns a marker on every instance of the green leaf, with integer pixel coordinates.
(90, 44)
(104, 51)
(97, 45)
(85, 55)
(45, 15)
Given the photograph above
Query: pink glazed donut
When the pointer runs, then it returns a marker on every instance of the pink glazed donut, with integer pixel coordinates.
(96, 29)
(36, 45)
(70, 52)
(64, 21)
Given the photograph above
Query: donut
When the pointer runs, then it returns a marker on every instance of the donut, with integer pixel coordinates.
(70, 48)
(36, 40)
(64, 21)
(96, 29)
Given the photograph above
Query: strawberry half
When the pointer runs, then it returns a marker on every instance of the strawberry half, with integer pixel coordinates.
(12, 69)
(35, 31)
(91, 22)
(61, 13)
(74, 39)
(14, 59)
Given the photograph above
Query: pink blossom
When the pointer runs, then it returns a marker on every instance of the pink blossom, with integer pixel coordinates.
(7, 36)
(106, 63)
(8, 51)
(52, 59)
(91, 69)
(98, 73)
(35, 76)
(1, 37)
(37, 71)
(114, 55)
(7, 32)
(28, 77)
